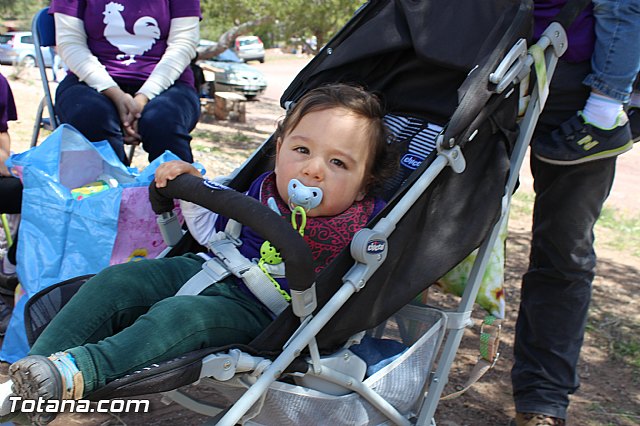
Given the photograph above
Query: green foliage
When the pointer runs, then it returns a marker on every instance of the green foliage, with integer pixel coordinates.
(21, 11)
(522, 203)
(219, 16)
(624, 226)
(299, 19)
(615, 229)
(618, 334)
(295, 18)
(629, 350)
(319, 18)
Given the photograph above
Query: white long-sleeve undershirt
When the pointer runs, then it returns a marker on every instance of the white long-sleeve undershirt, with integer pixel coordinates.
(71, 40)
(200, 221)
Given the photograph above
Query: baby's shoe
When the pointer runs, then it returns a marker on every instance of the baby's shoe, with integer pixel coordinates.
(578, 141)
(56, 377)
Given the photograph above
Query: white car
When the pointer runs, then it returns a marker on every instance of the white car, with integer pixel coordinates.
(17, 47)
(233, 75)
(249, 48)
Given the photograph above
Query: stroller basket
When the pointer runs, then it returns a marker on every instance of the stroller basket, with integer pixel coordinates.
(402, 382)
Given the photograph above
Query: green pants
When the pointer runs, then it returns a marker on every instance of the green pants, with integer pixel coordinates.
(127, 317)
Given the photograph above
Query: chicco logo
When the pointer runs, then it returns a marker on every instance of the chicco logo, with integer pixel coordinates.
(214, 185)
(411, 161)
(376, 246)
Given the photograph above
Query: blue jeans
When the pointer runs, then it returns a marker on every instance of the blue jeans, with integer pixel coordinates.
(616, 56)
(165, 124)
(127, 318)
(556, 289)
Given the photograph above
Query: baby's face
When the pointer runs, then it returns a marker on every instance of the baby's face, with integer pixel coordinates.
(328, 149)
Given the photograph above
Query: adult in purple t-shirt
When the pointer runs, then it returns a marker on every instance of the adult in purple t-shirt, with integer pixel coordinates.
(129, 78)
(10, 198)
(7, 113)
(10, 187)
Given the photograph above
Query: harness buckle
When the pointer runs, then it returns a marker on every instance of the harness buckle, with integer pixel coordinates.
(227, 252)
(215, 269)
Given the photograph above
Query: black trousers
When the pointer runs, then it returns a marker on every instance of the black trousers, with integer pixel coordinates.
(10, 202)
(556, 289)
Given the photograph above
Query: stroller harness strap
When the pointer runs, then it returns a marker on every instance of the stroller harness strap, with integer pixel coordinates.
(228, 261)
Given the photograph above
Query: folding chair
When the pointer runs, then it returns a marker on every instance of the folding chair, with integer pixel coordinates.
(44, 35)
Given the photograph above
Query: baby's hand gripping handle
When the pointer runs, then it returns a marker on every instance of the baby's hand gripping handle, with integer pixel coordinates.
(248, 211)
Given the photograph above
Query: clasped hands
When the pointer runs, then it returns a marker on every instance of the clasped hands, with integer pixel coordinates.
(129, 110)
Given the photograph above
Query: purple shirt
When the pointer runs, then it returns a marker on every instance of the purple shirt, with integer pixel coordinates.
(251, 241)
(581, 33)
(7, 105)
(129, 36)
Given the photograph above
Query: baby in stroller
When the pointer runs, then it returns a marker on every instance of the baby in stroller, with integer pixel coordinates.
(333, 143)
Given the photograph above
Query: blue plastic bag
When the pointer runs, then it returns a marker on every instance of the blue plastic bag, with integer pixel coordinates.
(71, 207)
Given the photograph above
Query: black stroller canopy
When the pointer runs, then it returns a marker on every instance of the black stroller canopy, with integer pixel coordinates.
(417, 53)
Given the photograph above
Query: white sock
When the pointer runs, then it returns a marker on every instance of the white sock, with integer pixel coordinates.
(602, 111)
(5, 392)
(8, 268)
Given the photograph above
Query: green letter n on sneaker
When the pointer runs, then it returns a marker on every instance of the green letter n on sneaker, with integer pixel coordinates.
(577, 141)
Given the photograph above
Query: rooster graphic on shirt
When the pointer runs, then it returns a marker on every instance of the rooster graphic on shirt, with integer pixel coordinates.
(145, 33)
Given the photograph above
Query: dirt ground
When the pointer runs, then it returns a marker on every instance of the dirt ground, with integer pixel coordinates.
(609, 369)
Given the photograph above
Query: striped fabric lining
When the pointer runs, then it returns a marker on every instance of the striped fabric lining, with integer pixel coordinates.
(419, 139)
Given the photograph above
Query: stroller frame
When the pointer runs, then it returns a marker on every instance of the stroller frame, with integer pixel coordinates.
(513, 69)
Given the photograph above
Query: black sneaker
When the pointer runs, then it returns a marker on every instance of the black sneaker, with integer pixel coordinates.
(634, 123)
(577, 141)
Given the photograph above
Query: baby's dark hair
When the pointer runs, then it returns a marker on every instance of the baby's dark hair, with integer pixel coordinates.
(383, 161)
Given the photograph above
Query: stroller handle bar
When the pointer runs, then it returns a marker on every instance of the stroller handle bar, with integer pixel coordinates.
(248, 211)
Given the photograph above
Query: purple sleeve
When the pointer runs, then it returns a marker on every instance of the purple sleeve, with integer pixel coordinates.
(73, 8)
(185, 8)
(378, 205)
(178, 8)
(581, 34)
(7, 105)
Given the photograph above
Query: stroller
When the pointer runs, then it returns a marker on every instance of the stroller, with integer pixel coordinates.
(453, 101)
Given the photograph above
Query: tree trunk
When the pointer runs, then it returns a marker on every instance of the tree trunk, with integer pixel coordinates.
(226, 39)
